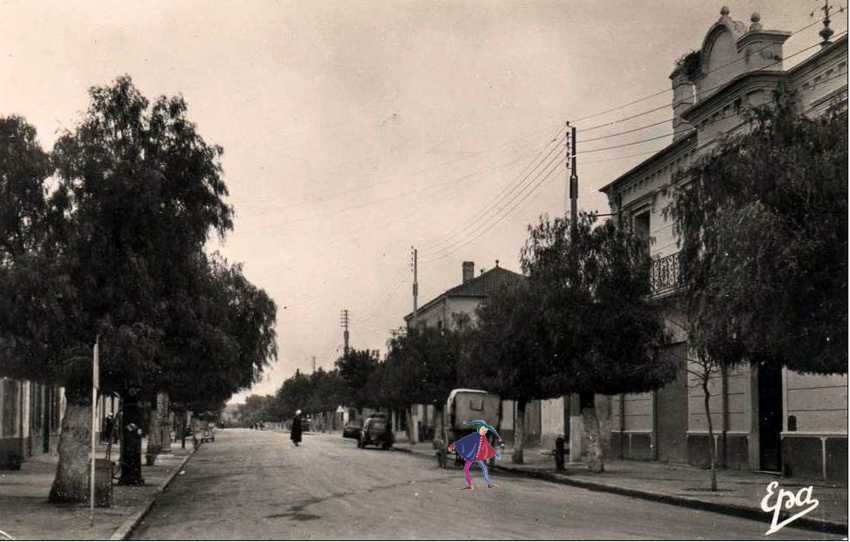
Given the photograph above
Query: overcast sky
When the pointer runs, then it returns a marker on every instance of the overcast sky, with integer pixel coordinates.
(355, 130)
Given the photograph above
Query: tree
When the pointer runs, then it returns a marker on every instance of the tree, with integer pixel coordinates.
(762, 223)
(355, 369)
(294, 394)
(600, 332)
(505, 353)
(422, 367)
(327, 393)
(763, 227)
(139, 192)
(255, 409)
(220, 335)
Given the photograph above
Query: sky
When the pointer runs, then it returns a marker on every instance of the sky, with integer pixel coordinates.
(356, 130)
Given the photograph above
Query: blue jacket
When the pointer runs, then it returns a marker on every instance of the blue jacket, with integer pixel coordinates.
(467, 447)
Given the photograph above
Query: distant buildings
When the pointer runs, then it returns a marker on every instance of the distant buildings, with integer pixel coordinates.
(768, 420)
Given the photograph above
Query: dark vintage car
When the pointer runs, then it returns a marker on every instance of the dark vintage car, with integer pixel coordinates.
(352, 429)
(376, 432)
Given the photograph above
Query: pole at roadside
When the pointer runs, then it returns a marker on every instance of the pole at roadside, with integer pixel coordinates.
(94, 387)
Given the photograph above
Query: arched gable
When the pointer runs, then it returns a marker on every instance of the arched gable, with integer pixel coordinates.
(720, 59)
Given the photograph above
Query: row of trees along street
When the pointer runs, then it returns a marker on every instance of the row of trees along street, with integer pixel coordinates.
(105, 237)
(763, 231)
(579, 328)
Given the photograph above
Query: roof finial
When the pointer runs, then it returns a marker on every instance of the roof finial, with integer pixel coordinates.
(755, 18)
(724, 11)
(497, 263)
(826, 32)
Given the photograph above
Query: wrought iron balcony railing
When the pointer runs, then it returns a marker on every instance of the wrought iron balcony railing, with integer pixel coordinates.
(666, 274)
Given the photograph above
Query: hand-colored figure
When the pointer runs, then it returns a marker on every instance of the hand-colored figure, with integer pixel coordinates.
(475, 447)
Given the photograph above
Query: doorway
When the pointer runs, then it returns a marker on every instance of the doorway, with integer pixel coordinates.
(770, 417)
(671, 404)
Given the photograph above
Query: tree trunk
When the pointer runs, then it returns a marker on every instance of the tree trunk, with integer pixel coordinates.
(711, 460)
(590, 421)
(131, 443)
(71, 484)
(439, 425)
(519, 433)
(411, 431)
(180, 420)
(154, 438)
(163, 407)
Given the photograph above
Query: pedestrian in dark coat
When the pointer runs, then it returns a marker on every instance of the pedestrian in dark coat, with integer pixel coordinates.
(295, 433)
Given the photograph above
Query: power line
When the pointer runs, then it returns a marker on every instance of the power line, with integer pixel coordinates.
(451, 250)
(393, 197)
(484, 221)
(334, 195)
(553, 145)
(632, 143)
(623, 157)
(618, 121)
(626, 131)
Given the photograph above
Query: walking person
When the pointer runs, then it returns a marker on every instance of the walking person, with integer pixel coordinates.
(475, 447)
(295, 432)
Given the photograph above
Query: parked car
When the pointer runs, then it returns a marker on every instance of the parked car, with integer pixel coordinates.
(352, 429)
(208, 433)
(376, 432)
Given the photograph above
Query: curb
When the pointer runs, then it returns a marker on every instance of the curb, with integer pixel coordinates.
(124, 531)
(809, 524)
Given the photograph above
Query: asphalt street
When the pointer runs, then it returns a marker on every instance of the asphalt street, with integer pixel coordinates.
(257, 485)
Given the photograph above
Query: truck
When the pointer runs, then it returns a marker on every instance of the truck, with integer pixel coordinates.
(462, 406)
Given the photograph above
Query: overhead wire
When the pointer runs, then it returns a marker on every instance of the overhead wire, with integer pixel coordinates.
(534, 164)
(337, 194)
(423, 189)
(453, 248)
(492, 211)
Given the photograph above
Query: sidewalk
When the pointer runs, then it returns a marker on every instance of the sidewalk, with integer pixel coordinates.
(26, 514)
(739, 493)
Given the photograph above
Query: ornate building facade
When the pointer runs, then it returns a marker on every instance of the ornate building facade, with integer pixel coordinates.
(766, 419)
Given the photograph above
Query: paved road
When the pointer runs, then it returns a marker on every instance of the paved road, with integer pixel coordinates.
(256, 485)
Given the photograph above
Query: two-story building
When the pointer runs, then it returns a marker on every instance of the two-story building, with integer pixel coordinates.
(772, 420)
(464, 299)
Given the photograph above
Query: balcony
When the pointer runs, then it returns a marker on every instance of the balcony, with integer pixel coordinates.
(665, 274)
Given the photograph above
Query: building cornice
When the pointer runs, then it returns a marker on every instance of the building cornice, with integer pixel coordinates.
(656, 159)
(728, 91)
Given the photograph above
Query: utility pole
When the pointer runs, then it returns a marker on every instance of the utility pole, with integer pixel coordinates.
(573, 182)
(343, 322)
(414, 261)
(314, 364)
(576, 427)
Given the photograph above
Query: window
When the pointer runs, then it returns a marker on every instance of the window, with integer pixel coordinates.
(641, 225)
(476, 404)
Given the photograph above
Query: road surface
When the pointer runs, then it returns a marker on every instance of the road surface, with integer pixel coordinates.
(257, 485)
